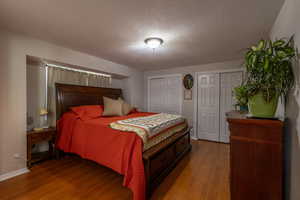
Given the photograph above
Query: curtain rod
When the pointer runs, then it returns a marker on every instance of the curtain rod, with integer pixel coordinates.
(77, 70)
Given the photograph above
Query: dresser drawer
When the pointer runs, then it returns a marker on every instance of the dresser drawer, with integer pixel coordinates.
(161, 161)
(181, 144)
(256, 132)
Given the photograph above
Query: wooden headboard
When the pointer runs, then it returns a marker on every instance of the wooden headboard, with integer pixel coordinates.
(73, 95)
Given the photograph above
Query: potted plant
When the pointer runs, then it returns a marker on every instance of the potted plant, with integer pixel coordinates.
(241, 96)
(269, 75)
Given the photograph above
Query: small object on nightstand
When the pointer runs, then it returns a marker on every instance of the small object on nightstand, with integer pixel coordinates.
(38, 129)
(36, 137)
(44, 118)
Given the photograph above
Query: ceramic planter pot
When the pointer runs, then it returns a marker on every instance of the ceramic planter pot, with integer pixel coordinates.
(244, 108)
(258, 107)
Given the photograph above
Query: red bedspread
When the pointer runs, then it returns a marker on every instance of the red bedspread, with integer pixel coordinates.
(95, 140)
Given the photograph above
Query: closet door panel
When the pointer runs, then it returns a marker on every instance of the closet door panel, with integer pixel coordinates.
(165, 95)
(156, 94)
(208, 107)
(174, 96)
(228, 81)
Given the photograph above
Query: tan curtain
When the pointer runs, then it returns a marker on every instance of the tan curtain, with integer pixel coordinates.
(36, 93)
(99, 81)
(60, 75)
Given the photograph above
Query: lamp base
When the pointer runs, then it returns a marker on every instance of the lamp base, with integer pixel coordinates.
(38, 129)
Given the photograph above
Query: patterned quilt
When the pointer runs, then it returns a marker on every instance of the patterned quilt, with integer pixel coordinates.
(148, 127)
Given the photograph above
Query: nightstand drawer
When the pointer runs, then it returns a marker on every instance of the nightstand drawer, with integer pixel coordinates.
(49, 136)
(41, 136)
(36, 137)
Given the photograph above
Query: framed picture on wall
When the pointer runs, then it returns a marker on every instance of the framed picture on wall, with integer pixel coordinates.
(188, 94)
(188, 81)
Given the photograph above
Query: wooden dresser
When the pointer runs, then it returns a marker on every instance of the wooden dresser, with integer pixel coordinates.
(256, 159)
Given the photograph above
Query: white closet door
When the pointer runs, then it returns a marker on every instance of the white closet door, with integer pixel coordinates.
(165, 95)
(174, 96)
(156, 98)
(228, 82)
(208, 107)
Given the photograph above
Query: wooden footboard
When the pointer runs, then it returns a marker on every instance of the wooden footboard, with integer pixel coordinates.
(162, 158)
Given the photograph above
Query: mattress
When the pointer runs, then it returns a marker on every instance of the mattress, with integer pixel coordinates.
(164, 135)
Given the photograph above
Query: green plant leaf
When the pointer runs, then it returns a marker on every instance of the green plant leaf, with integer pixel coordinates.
(269, 68)
(267, 62)
(254, 48)
(269, 51)
(261, 44)
(281, 54)
(278, 43)
(241, 95)
(253, 60)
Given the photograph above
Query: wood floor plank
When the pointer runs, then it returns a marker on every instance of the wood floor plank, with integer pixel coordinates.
(201, 175)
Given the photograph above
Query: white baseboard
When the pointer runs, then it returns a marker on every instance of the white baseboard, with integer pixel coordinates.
(13, 174)
(194, 138)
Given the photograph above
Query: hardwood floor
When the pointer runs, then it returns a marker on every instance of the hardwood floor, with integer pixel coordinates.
(202, 175)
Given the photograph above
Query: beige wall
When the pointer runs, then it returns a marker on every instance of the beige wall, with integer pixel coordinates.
(286, 25)
(188, 105)
(13, 51)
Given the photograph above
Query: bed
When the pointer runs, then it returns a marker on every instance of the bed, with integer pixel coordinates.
(157, 161)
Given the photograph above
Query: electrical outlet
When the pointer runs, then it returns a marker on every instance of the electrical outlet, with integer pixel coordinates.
(17, 156)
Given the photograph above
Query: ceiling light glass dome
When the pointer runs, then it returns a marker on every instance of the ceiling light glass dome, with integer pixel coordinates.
(153, 42)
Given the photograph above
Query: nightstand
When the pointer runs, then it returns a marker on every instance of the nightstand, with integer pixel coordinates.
(36, 137)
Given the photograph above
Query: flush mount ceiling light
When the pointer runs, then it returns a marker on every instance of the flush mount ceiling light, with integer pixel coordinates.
(153, 42)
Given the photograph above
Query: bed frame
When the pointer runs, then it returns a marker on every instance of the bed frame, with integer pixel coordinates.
(158, 160)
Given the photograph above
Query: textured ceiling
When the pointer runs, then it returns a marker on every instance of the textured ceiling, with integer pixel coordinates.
(194, 31)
